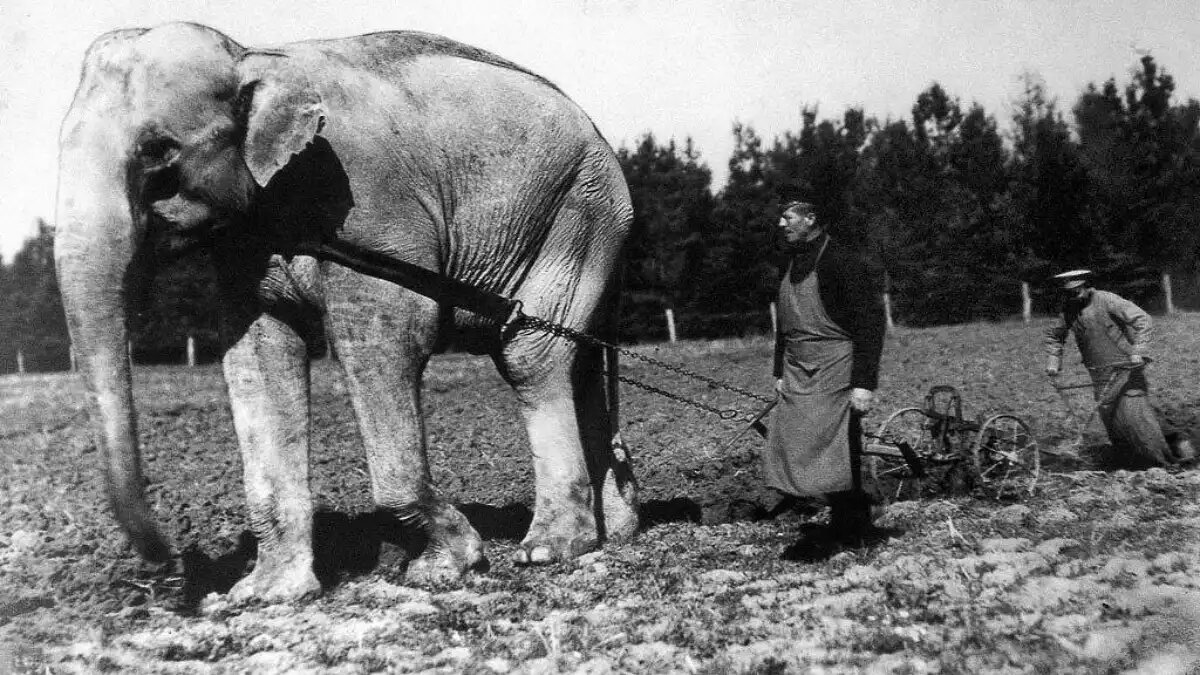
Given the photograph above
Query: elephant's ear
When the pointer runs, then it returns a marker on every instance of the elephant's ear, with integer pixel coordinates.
(282, 116)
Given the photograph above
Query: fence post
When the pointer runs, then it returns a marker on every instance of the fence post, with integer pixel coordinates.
(887, 301)
(1166, 285)
(74, 362)
(671, 324)
(774, 319)
(129, 351)
(20, 362)
(191, 351)
(1026, 302)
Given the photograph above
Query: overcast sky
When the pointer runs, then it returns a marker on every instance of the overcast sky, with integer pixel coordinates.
(672, 67)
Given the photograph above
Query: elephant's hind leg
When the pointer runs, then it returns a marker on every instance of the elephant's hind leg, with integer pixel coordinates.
(561, 384)
(560, 388)
(564, 523)
(384, 337)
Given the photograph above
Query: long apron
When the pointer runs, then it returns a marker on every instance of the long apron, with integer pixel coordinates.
(1128, 417)
(808, 448)
(1121, 394)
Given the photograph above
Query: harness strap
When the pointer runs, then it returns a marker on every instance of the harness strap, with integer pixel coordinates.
(433, 285)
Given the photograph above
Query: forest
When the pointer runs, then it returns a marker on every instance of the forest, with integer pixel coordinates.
(959, 206)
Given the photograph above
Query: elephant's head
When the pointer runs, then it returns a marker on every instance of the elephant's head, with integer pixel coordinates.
(173, 132)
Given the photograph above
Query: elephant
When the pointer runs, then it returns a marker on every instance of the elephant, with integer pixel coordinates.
(404, 144)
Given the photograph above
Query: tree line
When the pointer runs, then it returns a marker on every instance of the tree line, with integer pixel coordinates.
(958, 209)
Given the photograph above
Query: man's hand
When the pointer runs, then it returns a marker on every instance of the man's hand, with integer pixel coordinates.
(861, 400)
(1052, 371)
(779, 385)
(1136, 360)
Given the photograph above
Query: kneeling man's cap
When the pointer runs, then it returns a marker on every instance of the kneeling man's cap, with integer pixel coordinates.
(1074, 278)
(800, 207)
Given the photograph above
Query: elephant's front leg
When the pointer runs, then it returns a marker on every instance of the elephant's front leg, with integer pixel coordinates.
(266, 369)
(384, 337)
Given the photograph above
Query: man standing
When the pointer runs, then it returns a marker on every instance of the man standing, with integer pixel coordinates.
(827, 350)
(1112, 334)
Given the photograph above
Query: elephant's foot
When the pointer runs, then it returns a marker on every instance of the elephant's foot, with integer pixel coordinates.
(453, 548)
(280, 582)
(437, 568)
(546, 550)
(567, 536)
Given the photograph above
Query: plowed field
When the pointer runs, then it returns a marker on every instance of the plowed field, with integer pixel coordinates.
(1097, 572)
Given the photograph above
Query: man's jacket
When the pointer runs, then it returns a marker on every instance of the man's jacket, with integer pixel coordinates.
(1108, 330)
(851, 289)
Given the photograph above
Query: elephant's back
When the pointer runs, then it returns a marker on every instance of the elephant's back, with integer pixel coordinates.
(384, 52)
(430, 72)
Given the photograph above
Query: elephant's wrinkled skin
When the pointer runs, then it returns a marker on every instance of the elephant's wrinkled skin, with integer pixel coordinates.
(407, 144)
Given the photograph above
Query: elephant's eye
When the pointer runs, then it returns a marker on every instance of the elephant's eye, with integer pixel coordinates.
(160, 183)
(157, 152)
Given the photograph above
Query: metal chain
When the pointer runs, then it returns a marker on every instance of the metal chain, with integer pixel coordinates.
(723, 413)
(537, 323)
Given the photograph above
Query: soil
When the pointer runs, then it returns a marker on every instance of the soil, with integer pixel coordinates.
(1098, 571)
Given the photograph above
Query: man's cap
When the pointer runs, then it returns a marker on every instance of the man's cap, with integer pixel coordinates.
(1074, 278)
(799, 207)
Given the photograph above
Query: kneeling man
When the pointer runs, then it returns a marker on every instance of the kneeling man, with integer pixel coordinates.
(1113, 335)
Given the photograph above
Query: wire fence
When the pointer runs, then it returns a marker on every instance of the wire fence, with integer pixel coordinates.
(667, 325)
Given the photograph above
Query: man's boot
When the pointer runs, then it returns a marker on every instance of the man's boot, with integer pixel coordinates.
(846, 519)
(850, 526)
(849, 515)
(853, 522)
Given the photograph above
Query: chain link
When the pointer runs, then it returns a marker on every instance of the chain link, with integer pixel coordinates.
(537, 323)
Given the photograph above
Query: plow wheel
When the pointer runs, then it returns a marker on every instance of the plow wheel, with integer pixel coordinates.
(1007, 461)
(892, 478)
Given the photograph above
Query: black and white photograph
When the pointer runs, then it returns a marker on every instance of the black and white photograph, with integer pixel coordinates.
(600, 337)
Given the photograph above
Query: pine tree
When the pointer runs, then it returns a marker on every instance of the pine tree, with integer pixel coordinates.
(1141, 154)
(935, 196)
(736, 279)
(33, 319)
(672, 205)
(1050, 188)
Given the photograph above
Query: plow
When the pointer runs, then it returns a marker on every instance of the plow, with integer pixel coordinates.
(916, 449)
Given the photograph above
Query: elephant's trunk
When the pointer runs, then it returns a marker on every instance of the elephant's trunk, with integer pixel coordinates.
(95, 244)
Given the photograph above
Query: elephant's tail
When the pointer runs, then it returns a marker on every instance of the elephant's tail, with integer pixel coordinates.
(612, 373)
(619, 493)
